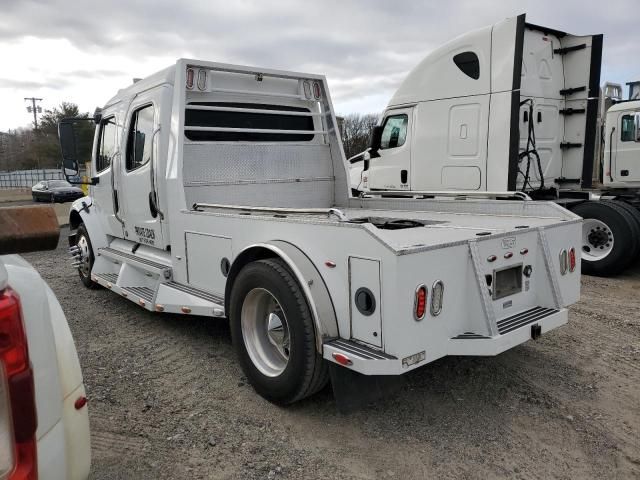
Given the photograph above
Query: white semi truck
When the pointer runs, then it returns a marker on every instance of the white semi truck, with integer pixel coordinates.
(222, 191)
(514, 106)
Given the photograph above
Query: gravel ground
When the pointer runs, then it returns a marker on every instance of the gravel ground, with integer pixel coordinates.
(168, 400)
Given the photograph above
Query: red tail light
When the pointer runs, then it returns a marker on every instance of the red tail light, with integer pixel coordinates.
(17, 384)
(420, 302)
(572, 259)
(316, 90)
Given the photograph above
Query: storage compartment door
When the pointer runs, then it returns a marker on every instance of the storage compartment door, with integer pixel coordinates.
(205, 261)
(364, 284)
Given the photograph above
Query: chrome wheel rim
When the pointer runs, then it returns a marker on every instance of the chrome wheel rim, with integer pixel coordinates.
(85, 258)
(265, 331)
(597, 240)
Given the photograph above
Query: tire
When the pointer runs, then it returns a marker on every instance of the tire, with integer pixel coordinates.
(85, 273)
(610, 239)
(282, 372)
(635, 214)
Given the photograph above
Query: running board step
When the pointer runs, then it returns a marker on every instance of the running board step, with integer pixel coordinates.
(111, 278)
(164, 271)
(358, 350)
(174, 297)
(514, 322)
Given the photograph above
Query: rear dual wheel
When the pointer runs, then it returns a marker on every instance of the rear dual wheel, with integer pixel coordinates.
(273, 333)
(610, 236)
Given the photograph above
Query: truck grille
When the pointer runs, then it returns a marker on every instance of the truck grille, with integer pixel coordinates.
(513, 322)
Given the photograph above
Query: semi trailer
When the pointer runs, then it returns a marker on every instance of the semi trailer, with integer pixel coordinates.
(221, 190)
(515, 106)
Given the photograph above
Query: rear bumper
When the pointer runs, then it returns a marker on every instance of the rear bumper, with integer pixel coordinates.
(369, 361)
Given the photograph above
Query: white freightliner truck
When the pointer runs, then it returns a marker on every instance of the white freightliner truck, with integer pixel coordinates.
(221, 190)
(514, 106)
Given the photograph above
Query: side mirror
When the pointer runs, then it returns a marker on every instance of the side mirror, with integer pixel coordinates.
(68, 145)
(376, 141)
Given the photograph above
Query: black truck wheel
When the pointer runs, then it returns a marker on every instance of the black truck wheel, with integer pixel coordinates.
(273, 333)
(635, 215)
(86, 257)
(610, 237)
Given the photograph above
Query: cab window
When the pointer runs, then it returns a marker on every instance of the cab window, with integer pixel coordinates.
(107, 144)
(627, 130)
(394, 132)
(139, 139)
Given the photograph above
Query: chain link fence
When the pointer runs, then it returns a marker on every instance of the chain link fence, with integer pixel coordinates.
(28, 178)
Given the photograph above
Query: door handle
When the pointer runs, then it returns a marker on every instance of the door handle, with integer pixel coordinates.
(624, 173)
(539, 117)
(153, 208)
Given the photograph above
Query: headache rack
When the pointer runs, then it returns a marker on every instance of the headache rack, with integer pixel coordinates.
(309, 89)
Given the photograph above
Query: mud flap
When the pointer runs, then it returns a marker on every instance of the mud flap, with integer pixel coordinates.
(353, 390)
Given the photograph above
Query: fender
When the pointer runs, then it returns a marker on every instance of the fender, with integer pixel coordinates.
(82, 210)
(313, 286)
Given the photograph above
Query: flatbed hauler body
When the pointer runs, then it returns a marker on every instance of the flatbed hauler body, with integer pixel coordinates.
(222, 191)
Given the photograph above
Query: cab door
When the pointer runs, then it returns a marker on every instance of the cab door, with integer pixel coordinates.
(139, 163)
(105, 162)
(626, 146)
(391, 170)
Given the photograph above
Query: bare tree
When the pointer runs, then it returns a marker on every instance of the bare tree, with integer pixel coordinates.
(356, 132)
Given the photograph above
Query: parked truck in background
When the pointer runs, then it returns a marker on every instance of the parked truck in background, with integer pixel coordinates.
(44, 424)
(515, 106)
(221, 190)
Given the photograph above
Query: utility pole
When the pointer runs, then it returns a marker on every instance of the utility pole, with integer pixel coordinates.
(35, 109)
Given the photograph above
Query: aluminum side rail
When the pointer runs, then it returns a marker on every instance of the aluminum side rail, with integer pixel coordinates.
(301, 211)
(447, 193)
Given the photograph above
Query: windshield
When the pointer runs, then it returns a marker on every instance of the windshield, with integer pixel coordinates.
(58, 184)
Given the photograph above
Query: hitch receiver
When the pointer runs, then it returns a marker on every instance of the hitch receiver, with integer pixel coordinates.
(536, 331)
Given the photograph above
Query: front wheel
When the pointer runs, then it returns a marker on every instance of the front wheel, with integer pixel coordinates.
(273, 333)
(610, 238)
(86, 257)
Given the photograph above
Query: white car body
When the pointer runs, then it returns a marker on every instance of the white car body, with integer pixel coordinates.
(62, 435)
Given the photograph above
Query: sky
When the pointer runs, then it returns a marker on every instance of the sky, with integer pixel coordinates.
(83, 52)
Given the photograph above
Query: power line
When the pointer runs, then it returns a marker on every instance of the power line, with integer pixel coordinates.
(35, 109)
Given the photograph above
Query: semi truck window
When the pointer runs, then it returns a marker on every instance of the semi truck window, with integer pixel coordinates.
(469, 64)
(627, 130)
(139, 139)
(107, 145)
(212, 118)
(394, 132)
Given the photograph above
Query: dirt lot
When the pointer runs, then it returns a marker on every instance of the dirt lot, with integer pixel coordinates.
(167, 400)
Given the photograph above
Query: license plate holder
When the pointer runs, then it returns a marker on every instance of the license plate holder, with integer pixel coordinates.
(507, 281)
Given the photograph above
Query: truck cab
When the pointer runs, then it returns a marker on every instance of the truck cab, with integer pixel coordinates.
(621, 153)
(471, 109)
